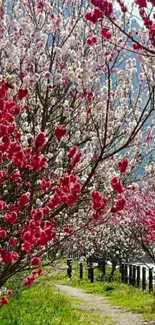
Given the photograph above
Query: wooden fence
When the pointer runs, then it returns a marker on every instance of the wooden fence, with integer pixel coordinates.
(134, 275)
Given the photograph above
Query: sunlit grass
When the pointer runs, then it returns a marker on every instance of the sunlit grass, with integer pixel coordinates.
(122, 295)
(42, 304)
(119, 294)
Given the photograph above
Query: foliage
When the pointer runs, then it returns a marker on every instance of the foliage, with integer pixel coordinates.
(109, 287)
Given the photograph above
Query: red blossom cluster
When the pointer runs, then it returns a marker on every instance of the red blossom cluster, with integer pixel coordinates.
(22, 201)
(89, 95)
(137, 47)
(22, 93)
(35, 260)
(3, 233)
(40, 5)
(104, 5)
(12, 241)
(11, 217)
(45, 185)
(68, 230)
(7, 256)
(59, 132)
(94, 16)
(123, 165)
(120, 204)
(141, 3)
(98, 204)
(92, 40)
(74, 155)
(67, 192)
(4, 299)
(11, 145)
(34, 274)
(102, 8)
(37, 231)
(117, 185)
(106, 33)
(38, 162)
(40, 140)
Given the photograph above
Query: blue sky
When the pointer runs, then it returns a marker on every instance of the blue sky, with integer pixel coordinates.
(135, 11)
(129, 4)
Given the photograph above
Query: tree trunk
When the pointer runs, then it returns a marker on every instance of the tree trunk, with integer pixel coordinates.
(114, 263)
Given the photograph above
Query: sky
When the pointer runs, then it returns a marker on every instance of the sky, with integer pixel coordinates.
(135, 12)
(129, 3)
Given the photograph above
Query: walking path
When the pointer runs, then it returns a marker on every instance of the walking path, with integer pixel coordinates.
(101, 305)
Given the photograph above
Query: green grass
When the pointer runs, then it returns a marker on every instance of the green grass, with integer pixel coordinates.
(41, 304)
(131, 298)
(128, 297)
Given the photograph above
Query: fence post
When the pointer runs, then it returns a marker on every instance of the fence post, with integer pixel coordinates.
(88, 260)
(92, 274)
(150, 279)
(134, 275)
(69, 267)
(122, 273)
(138, 276)
(81, 271)
(143, 278)
(126, 273)
(102, 266)
(89, 268)
(130, 274)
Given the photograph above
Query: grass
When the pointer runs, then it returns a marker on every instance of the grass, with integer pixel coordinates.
(42, 304)
(119, 294)
(131, 298)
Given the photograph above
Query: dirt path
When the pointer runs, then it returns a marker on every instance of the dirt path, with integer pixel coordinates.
(101, 305)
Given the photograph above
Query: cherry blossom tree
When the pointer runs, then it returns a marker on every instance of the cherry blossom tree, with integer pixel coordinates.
(137, 220)
(139, 41)
(73, 127)
(117, 241)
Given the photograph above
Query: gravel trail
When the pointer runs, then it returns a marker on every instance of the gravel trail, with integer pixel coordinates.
(102, 306)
